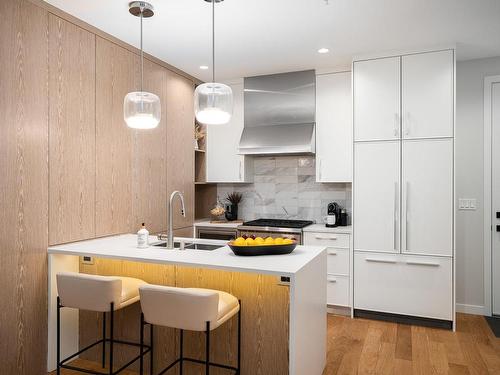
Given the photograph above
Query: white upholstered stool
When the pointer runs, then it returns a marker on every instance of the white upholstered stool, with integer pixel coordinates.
(105, 294)
(190, 309)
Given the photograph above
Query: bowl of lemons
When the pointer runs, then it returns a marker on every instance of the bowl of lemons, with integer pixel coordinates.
(251, 246)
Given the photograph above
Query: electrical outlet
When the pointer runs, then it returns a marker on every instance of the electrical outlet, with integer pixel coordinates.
(467, 204)
(87, 260)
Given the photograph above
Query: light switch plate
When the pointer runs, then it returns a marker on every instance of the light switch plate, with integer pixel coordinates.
(87, 260)
(467, 204)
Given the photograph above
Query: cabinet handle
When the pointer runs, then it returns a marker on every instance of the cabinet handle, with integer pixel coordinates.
(319, 169)
(332, 280)
(407, 123)
(376, 260)
(331, 252)
(407, 188)
(414, 263)
(326, 238)
(396, 124)
(240, 170)
(395, 214)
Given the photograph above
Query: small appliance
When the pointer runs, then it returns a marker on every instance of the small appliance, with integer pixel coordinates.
(332, 218)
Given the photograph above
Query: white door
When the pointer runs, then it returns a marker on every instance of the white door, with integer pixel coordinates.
(427, 197)
(376, 196)
(333, 127)
(495, 196)
(223, 162)
(427, 94)
(376, 92)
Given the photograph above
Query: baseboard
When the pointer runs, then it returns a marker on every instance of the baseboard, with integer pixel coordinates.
(339, 310)
(403, 319)
(470, 309)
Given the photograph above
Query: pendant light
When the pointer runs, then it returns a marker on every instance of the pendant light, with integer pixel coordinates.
(141, 109)
(213, 102)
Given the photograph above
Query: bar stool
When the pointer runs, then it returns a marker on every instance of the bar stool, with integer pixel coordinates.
(190, 309)
(105, 294)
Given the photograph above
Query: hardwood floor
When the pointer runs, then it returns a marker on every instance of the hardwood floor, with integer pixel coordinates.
(360, 346)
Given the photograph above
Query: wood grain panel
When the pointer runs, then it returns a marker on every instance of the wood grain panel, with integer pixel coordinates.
(150, 160)
(205, 200)
(116, 75)
(180, 145)
(23, 188)
(71, 132)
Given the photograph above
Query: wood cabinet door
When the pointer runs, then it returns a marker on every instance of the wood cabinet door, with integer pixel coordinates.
(427, 94)
(117, 73)
(180, 146)
(376, 92)
(427, 197)
(376, 196)
(333, 127)
(223, 162)
(71, 132)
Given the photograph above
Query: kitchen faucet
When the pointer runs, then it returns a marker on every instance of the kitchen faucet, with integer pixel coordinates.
(170, 238)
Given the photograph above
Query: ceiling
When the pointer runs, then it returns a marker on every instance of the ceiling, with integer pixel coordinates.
(270, 36)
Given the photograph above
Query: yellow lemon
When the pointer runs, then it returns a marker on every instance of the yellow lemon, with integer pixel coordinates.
(269, 241)
(287, 241)
(240, 241)
(259, 240)
(278, 241)
(250, 241)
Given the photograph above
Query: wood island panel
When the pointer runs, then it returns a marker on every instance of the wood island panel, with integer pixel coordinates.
(71, 132)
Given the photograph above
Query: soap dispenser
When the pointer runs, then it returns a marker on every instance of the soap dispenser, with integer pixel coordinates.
(143, 238)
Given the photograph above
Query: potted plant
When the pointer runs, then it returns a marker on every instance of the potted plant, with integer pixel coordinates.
(233, 200)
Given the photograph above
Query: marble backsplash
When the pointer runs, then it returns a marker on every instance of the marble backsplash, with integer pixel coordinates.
(285, 187)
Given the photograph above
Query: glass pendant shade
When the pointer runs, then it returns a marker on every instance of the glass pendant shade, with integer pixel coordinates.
(141, 110)
(213, 103)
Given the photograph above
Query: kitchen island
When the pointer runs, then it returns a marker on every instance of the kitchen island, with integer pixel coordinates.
(283, 300)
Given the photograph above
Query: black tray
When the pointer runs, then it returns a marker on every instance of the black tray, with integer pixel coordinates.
(263, 250)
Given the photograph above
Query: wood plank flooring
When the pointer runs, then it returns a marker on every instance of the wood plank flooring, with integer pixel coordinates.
(360, 346)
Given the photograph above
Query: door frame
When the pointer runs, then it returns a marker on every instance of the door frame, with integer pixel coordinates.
(488, 229)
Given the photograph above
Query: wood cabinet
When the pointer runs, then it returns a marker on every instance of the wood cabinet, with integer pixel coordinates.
(71, 132)
(376, 196)
(180, 147)
(427, 94)
(333, 127)
(223, 162)
(427, 197)
(376, 93)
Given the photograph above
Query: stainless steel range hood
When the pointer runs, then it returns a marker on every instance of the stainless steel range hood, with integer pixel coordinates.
(279, 114)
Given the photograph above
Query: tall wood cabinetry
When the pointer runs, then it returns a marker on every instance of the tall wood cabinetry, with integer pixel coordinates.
(403, 185)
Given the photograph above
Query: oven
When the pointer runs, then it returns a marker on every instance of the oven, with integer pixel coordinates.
(216, 233)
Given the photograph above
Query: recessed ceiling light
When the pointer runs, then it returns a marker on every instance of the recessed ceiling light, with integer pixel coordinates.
(323, 50)
(203, 67)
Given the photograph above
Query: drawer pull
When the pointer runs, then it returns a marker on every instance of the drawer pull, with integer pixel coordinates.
(332, 253)
(375, 260)
(412, 263)
(332, 280)
(326, 238)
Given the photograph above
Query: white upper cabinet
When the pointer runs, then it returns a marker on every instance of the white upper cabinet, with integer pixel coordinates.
(427, 94)
(377, 99)
(376, 196)
(333, 127)
(223, 162)
(427, 197)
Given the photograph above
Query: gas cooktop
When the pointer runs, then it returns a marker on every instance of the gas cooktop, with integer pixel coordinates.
(278, 223)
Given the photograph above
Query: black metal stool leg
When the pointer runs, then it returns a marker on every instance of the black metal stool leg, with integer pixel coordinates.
(103, 339)
(151, 350)
(141, 360)
(182, 352)
(207, 355)
(58, 346)
(111, 337)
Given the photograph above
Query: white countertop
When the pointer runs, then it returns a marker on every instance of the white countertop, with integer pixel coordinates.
(320, 228)
(124, 247)
(207, 223)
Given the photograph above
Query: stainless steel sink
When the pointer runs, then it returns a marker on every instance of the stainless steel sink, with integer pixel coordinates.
(190, 246)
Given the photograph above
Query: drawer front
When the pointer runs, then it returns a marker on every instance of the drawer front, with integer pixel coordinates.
(338, 261)
(337, 290)
(400, 284)
(327, 239)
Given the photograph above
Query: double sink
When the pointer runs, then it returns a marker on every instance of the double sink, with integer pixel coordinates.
(182, 243)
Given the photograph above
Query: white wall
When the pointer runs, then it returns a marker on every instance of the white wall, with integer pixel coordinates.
(469, 180)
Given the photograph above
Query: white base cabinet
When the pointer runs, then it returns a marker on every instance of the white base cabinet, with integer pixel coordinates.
(403, 284)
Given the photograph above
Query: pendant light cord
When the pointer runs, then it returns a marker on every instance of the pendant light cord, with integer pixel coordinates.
(213, 41)
(142, 55)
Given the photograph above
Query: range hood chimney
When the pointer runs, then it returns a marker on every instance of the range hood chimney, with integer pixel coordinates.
(279, 114)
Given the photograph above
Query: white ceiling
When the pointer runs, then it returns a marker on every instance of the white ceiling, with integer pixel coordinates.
(270, 36)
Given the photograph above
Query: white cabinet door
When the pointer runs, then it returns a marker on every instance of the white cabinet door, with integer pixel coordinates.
(427, 94)
(402, 284)
(376, 94)
(333, 127)
(427, 196)
(376, 196)
(223, 162)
